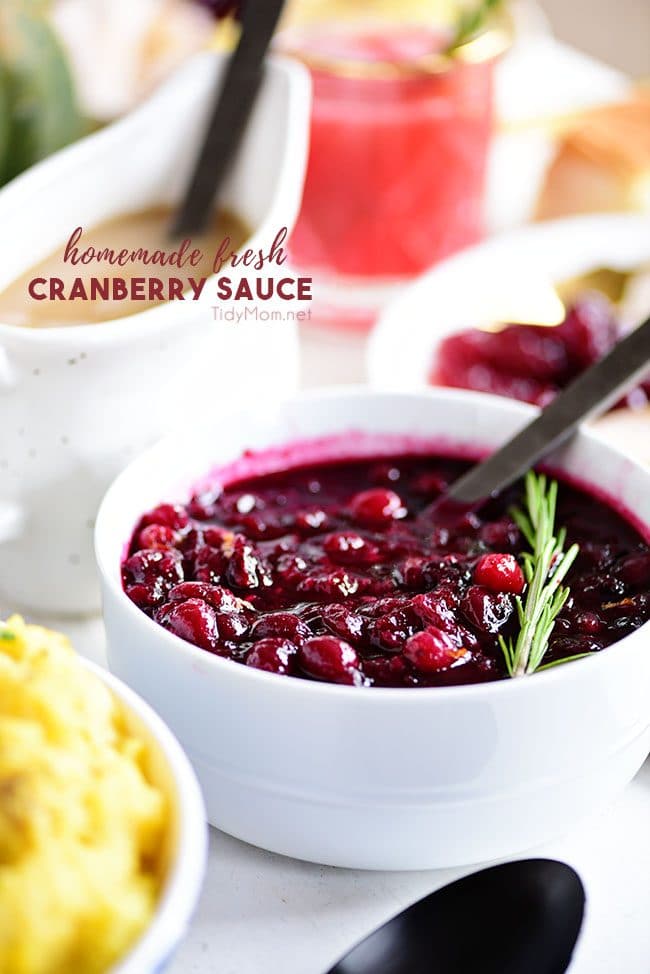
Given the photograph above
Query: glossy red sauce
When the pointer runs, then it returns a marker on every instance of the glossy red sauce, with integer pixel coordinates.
(342, 572)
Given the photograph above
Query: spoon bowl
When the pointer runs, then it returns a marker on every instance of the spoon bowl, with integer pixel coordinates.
(518, 918)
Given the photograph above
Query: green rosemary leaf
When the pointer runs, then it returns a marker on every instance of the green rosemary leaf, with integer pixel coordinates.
(561, 662)
(471, 21)
(545, 568)
(524, 525)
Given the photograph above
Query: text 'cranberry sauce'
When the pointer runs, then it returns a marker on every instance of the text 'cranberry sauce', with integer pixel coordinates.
(339, 572)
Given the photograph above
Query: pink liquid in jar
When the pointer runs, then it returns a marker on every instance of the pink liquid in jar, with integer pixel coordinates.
(396, 171)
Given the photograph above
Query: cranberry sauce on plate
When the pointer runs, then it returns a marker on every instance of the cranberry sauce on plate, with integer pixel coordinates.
(533, 362)
(340, 572)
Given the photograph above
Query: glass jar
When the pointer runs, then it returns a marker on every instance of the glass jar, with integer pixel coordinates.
(399, 138)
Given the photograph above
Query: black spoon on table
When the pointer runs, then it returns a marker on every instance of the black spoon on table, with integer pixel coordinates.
(591, 394)
(518, 918)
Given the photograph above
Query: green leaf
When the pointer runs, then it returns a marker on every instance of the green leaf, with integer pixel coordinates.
(471, 21)
(545, 568)
(42, 111)
(561, 662)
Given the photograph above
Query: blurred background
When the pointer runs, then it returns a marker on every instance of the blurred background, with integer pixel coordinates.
(619, 33)
(434, 122)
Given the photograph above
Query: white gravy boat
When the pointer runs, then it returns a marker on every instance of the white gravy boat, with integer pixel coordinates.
(78, 403)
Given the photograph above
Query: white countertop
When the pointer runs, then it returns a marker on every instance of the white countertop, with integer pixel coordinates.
(262, 912)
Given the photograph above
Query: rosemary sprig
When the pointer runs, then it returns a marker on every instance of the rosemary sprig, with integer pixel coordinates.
(545, 567)
(470, 22)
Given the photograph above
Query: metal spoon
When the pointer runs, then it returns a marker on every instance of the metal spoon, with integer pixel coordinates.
(519, 918)
(592, 393)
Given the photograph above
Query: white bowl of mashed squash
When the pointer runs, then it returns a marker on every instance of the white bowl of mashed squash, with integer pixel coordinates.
(102, 824)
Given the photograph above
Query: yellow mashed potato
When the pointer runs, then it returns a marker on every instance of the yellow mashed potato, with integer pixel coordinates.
(81, 827)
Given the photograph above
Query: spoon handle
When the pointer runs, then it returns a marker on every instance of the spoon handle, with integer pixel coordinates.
(230, 113)
(593, 392)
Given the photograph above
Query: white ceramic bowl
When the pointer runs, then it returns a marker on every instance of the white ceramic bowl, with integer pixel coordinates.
(381, 778)
(483, 283)
(187, 838)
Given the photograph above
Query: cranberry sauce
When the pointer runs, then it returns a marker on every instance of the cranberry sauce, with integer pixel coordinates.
(531, 362)
(339, 572)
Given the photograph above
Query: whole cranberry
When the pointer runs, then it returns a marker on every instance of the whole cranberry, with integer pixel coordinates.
(412, 572)
(377, 507)
(245, 569)
(330, 659)
(149, 575)
(344, 622)
(501, 534)
(204, 506)
(171, 515)
(259, 526)
(432, 650)
(332, 585)
(348, 548)
(281, 625)
(594, 554)
(194, 620)
(381, 607)
(387, 671)
(634, 570)
(588, 623)
(487, 610)
(274, 655)
(218, 597)
(209, 565)
(449, 594)
(216, 537)
(232, 626)
(435, 610)
(291, 569)
(500, 573)
(392, 630)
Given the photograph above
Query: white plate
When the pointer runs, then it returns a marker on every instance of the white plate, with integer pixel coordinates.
(492, 282)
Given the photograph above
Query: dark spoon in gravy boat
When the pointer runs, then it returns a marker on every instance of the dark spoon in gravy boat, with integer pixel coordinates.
(518, 918)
